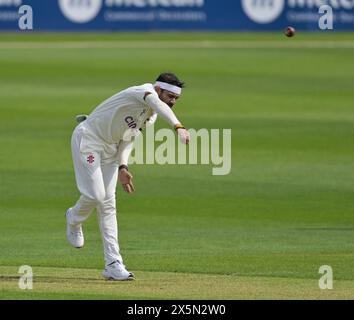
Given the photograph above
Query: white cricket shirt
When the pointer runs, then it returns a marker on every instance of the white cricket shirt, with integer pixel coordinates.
(126, 110)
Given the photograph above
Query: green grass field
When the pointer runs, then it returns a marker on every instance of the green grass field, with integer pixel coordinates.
(261, 232)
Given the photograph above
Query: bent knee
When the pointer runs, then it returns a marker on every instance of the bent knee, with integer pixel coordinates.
(97, 196)
(100, 196)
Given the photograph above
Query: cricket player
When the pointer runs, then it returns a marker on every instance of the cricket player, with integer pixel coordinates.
(101, 145)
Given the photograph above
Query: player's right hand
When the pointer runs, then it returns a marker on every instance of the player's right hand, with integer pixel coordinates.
(183, 135)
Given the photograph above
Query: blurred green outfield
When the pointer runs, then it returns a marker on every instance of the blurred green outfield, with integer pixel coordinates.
(261, 232)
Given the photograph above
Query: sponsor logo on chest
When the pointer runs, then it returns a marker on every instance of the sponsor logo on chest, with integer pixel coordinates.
(130, 122)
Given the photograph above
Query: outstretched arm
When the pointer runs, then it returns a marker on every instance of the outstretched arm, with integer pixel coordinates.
(167, 114)
(161, 108)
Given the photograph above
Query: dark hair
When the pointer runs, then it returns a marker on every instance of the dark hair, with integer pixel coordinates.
(170, 78)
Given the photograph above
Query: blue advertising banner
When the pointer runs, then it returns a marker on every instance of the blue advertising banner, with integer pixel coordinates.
(223, 15)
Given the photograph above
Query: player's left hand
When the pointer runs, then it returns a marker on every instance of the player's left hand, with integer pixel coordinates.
(126, 179)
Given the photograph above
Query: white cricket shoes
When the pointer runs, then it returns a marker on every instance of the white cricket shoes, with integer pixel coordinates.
(74, 234)
(117, 271)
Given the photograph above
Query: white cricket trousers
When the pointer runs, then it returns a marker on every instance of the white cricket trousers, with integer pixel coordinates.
(97, 183)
